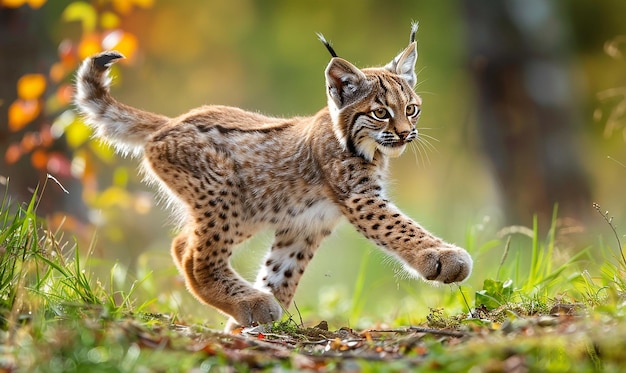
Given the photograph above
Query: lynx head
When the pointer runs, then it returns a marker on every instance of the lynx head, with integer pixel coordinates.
(374, 109)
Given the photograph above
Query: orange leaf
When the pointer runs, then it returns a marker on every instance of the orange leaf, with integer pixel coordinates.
(29, 141)
(57, 72)
(67, 54)
(123, 7)
(144, 3)
(22, 112)
(46, 135)
(13, 153)
(31, 86)
(39, 159)
(368, 336)
(65, 94)
(36, 4)
(12, 3)
(89, 45)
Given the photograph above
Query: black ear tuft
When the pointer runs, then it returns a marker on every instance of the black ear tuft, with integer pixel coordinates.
(326, 44)
(105, 59)
(414, 26)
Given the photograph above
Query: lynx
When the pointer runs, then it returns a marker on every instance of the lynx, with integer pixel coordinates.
(234, 172)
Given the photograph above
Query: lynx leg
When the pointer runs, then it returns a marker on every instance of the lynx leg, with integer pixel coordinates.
(179, 247)
(210, 278)
(422, 252)
(285, 264)
(203, 250)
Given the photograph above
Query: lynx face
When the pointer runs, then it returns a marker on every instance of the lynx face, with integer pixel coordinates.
(374, 109)
(388, 122)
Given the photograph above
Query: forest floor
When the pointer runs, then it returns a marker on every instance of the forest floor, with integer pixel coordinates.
(567, 338)
(54, 317)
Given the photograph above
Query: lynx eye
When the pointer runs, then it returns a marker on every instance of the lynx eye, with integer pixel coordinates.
(412, 110)
(380, 114)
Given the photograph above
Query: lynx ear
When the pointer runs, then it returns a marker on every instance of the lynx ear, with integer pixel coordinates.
(404, 64)
(345, 82)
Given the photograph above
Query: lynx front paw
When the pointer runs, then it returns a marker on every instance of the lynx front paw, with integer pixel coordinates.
(260, 309)
(446, 264)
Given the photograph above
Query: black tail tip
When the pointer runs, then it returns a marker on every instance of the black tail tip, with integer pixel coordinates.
(105, 59)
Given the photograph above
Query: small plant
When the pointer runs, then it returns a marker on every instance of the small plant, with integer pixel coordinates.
(609, 221)
(613, 276)
(494, 293)
(19, 245)
(36, 272)
(532, 275)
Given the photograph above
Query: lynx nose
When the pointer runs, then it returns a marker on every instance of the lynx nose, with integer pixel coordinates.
(403, 135)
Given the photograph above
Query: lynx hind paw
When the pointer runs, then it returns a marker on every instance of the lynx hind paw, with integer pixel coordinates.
(446, 264)
(105, 59)
(260, 309)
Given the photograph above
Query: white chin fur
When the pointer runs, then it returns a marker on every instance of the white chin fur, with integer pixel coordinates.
(394, 152)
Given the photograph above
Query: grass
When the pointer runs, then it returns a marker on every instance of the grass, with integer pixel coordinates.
(532, 312)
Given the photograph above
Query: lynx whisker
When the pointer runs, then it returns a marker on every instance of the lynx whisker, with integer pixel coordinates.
(426, 139)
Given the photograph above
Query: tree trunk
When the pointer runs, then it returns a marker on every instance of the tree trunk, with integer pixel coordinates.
(528, 116)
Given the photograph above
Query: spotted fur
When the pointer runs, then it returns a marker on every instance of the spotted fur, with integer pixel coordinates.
(234, 172)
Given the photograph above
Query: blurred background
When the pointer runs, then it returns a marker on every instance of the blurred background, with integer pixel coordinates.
(524, 110)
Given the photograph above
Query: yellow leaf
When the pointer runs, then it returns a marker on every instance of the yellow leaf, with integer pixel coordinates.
(31, 86)
(82, 12)
(144, 3)
(114, 196)
(120, 177)
(22, 112)
(77, 133)
(109, 20)
(102, 151)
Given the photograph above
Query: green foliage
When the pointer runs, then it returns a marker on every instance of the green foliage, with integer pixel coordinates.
(494, 293)
(18, 245)
(358, 296)
(532, 273)
(93, 345)
(36, 273)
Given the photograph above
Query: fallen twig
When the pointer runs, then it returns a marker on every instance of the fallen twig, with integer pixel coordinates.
(415, 329)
